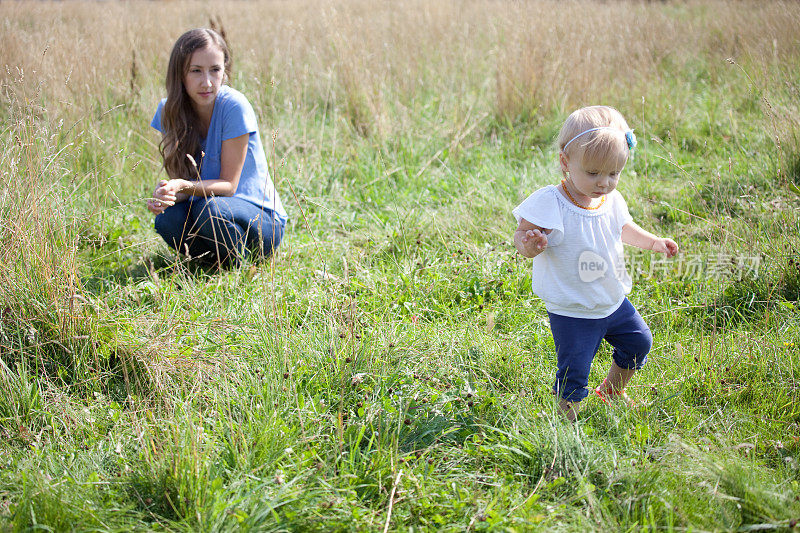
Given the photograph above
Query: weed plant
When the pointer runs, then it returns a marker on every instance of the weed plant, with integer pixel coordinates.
(388, 368)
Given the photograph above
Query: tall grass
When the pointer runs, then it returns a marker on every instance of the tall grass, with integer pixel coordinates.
(389, 367)
(44, 310)
(546, 55)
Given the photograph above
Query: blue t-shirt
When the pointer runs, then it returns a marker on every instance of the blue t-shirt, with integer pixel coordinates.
(232, 117)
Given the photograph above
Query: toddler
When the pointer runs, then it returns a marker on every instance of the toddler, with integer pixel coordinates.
(574, 232)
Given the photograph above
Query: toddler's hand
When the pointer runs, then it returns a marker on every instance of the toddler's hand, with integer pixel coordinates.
(534, 241)
(666, 246)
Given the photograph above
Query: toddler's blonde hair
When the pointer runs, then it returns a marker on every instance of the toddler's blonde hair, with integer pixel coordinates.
(604, 149)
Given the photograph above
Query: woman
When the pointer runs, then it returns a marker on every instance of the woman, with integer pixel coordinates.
(219, 203)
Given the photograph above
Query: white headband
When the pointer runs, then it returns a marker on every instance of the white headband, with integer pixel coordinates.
(630, 138)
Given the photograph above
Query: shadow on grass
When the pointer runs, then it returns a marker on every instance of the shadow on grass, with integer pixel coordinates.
(755, 298)
(150, 268)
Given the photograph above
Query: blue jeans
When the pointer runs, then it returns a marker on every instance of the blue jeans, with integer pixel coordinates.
(222, 229)
(578, 339)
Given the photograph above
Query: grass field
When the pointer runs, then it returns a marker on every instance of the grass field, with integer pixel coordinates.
(389, 368)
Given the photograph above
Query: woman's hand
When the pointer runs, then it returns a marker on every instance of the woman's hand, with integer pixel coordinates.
(157, 205)
(167, 193)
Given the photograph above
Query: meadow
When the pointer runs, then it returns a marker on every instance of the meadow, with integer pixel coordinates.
(389, 369)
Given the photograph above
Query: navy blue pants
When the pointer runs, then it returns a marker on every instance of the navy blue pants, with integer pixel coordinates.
(222, 229)
(578, 339)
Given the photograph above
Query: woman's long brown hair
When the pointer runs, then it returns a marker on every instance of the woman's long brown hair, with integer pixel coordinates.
(179, 122)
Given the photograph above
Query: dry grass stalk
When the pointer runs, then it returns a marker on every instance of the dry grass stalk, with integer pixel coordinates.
(530, 53)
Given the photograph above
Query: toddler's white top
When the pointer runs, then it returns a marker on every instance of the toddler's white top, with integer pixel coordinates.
(582, 272)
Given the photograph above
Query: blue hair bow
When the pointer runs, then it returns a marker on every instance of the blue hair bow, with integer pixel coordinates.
(630, 138)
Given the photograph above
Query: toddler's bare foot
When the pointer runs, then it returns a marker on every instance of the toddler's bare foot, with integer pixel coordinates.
(569, 409)
(607, 394)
